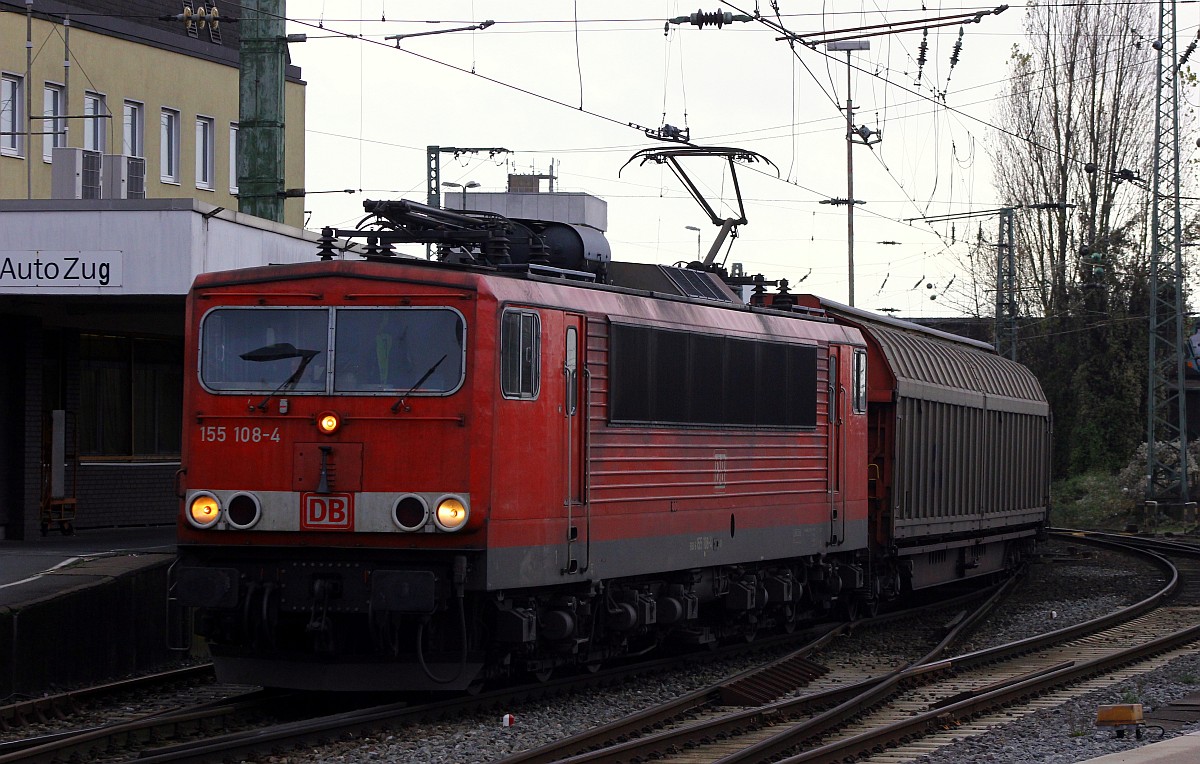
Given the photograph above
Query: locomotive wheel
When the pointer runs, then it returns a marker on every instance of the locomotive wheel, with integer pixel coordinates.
(850, 608)
(543, 675)
(790, 621)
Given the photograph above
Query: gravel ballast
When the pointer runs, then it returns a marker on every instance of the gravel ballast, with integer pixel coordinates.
(1055, 594)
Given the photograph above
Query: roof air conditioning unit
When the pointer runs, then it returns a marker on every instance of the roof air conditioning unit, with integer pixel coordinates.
(75, 173)
(114, 177)
(137, 178)
(123, 177)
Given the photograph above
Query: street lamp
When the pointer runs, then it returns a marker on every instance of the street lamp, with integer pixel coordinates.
(848, 46)
(697, 230)
(469, 184)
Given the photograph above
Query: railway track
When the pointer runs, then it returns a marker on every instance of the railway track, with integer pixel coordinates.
(119, 740)
(226, 729)
(62, 706)
(724, 712)
(757, 716)
(868, 718)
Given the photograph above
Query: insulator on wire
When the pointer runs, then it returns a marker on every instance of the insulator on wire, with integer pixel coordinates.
(921, 57)
(1186, 55)
(957, 49)
(717, 19)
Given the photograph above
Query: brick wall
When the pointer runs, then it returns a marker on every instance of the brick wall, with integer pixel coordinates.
(126, 494)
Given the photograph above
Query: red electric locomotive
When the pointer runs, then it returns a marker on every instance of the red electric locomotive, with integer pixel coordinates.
(403, 474)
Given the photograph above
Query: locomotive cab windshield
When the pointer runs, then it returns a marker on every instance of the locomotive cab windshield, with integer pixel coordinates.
(361, 351)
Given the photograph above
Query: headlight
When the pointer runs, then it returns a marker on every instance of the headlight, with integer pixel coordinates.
(451, 513)
(203, 510)
(243, 511)
(410, 513)
(328, 422)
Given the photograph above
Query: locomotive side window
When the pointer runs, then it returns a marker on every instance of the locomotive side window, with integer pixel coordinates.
(860, 381)
(571, 369)
(686, 378)
(520, 354)
(261, 349)
(403, 350)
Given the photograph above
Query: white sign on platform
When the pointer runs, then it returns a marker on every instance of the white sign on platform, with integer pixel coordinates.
(58, 269)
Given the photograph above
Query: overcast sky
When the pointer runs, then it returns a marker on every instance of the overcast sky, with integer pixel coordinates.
(560, 82)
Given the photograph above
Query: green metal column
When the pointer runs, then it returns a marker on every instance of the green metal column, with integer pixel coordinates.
(263, 56)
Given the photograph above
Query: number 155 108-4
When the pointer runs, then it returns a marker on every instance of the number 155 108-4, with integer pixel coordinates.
(220, 434)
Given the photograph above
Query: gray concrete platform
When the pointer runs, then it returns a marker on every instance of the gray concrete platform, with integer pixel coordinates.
(21, 560)
(1184, 749)
(83, 608)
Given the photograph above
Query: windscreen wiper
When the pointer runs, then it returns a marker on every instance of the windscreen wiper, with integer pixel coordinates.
(278, 352)
(396, 406)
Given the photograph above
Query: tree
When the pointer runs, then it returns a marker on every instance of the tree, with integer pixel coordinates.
(1076, 129)
(1082, 94)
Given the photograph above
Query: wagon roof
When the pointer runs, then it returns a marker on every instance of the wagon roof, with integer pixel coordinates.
(936, 365)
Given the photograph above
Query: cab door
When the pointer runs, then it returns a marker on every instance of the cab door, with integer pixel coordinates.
(574, 436)
(836, 457)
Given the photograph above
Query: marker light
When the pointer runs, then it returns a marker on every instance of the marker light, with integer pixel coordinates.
(328, 422)
(204, 510)
(451, 513)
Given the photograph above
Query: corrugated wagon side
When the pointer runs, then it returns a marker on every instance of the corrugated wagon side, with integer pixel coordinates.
(959, 447)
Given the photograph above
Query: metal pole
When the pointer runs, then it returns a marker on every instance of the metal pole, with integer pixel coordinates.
(65, 107)
(849, 181)
(697, 230)
(28, 99)
(849, 46)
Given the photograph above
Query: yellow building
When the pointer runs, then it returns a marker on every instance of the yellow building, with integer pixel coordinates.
(118, 185)
(148, 105)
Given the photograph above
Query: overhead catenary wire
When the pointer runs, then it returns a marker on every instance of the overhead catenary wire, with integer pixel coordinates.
(885, 77)
(613, 120)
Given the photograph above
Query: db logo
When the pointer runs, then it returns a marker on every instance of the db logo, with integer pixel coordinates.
(327, 512)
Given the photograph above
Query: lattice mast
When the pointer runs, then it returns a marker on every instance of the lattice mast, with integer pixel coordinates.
(1166, 430)
(1006, 287)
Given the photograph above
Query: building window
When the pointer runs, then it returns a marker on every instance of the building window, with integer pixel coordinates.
(520, 354)
(204, 152)
(131, 394)
(233, 171)
(94, 109)
(169, 146)
(11, 97)
(133, 141)
(54, 129)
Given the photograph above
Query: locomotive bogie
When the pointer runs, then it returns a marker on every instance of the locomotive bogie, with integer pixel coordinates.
(937, 564)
